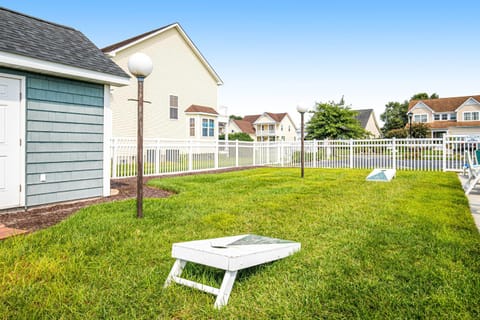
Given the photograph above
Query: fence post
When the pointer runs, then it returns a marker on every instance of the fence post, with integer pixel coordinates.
(236, 153)
(217, 147)
(394, 153)
(315, 153)
(190, 155)
(253, 151)
(157, 157)
(444, 153)
(114, 157)
(351, 153)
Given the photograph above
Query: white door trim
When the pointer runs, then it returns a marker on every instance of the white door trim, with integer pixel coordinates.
(22, 133)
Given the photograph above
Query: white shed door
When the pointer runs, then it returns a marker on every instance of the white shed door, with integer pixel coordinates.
(9, 142)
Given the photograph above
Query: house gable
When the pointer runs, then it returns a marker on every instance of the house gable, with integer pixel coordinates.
(177, 73)
(421, 106)
(469, 102)
(114, 49)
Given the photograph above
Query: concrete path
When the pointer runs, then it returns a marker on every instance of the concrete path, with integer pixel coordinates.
(473, 200)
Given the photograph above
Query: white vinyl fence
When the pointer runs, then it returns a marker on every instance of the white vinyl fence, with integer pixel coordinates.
(176, 156)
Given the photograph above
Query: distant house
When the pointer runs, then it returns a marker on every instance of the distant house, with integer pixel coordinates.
(54, 113)
(367, 120)
(453, 116)
(266, 127)
(182, 90)
(242, 126)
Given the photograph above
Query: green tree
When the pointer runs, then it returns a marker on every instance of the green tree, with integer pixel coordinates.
(424, 96)
(234, 117)
(240, 136)
(419, 130)
(395, 115)
(334, 121)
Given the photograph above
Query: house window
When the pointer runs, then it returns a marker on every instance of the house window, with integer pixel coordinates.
(173, 107)
(444, 116)
(192, 127)
(436, 117)
(208, 127)
(211, 128)
(453, 116)
(420, 118)
(471, 116)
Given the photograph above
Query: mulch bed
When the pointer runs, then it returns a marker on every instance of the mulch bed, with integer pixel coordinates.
(42, 217)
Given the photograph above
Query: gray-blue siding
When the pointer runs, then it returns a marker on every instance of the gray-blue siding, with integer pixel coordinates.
(64, 139)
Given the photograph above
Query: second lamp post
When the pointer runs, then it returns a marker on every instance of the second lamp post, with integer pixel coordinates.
(302, 111)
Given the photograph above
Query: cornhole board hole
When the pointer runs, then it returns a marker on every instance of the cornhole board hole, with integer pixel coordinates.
(230, 254)
(383, 175)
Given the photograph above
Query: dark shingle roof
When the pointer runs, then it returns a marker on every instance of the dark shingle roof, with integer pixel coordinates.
(35, 38)
(363, 115)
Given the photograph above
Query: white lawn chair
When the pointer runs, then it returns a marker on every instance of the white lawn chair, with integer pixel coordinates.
(473, 174)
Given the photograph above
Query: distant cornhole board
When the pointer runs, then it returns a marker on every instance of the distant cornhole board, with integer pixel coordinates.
(383, 175)
(230, 254)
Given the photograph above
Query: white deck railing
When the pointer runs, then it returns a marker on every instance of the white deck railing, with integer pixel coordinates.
(175, 156)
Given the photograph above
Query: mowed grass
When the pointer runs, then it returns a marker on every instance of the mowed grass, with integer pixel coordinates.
(400, 250)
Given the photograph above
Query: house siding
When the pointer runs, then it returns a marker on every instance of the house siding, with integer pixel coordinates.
(64, 138)
(176, 71)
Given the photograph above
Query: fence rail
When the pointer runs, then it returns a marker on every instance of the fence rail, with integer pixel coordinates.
(176, 156)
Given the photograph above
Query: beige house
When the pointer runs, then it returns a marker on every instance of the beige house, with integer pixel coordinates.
(367, 120)
(181, 92)
(453, 116)
(266, 127)
(242, 126)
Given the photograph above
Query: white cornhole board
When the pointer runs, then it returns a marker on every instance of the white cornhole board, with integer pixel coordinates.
(230, 254)
(384, 175)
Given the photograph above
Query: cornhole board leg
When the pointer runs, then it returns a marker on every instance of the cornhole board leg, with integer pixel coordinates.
(223, 294)
(225, 289)
(176, 271)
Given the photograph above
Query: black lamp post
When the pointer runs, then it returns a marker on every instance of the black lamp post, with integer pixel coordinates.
(410, 116)
(302, 111)
(140, 65)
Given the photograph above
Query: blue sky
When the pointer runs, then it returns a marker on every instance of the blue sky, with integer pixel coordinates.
(273, 55)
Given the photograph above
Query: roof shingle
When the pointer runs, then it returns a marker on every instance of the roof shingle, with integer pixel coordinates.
(201, 109)
(47, 41)
(443, 104)
(363, 115)
(245, 126)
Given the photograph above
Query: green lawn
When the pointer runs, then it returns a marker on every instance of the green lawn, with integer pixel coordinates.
(400, 250)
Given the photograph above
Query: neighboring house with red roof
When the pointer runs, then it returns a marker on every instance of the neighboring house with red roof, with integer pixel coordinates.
(182, 89)
(242, 126)
(266, 127)
(452, 116)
